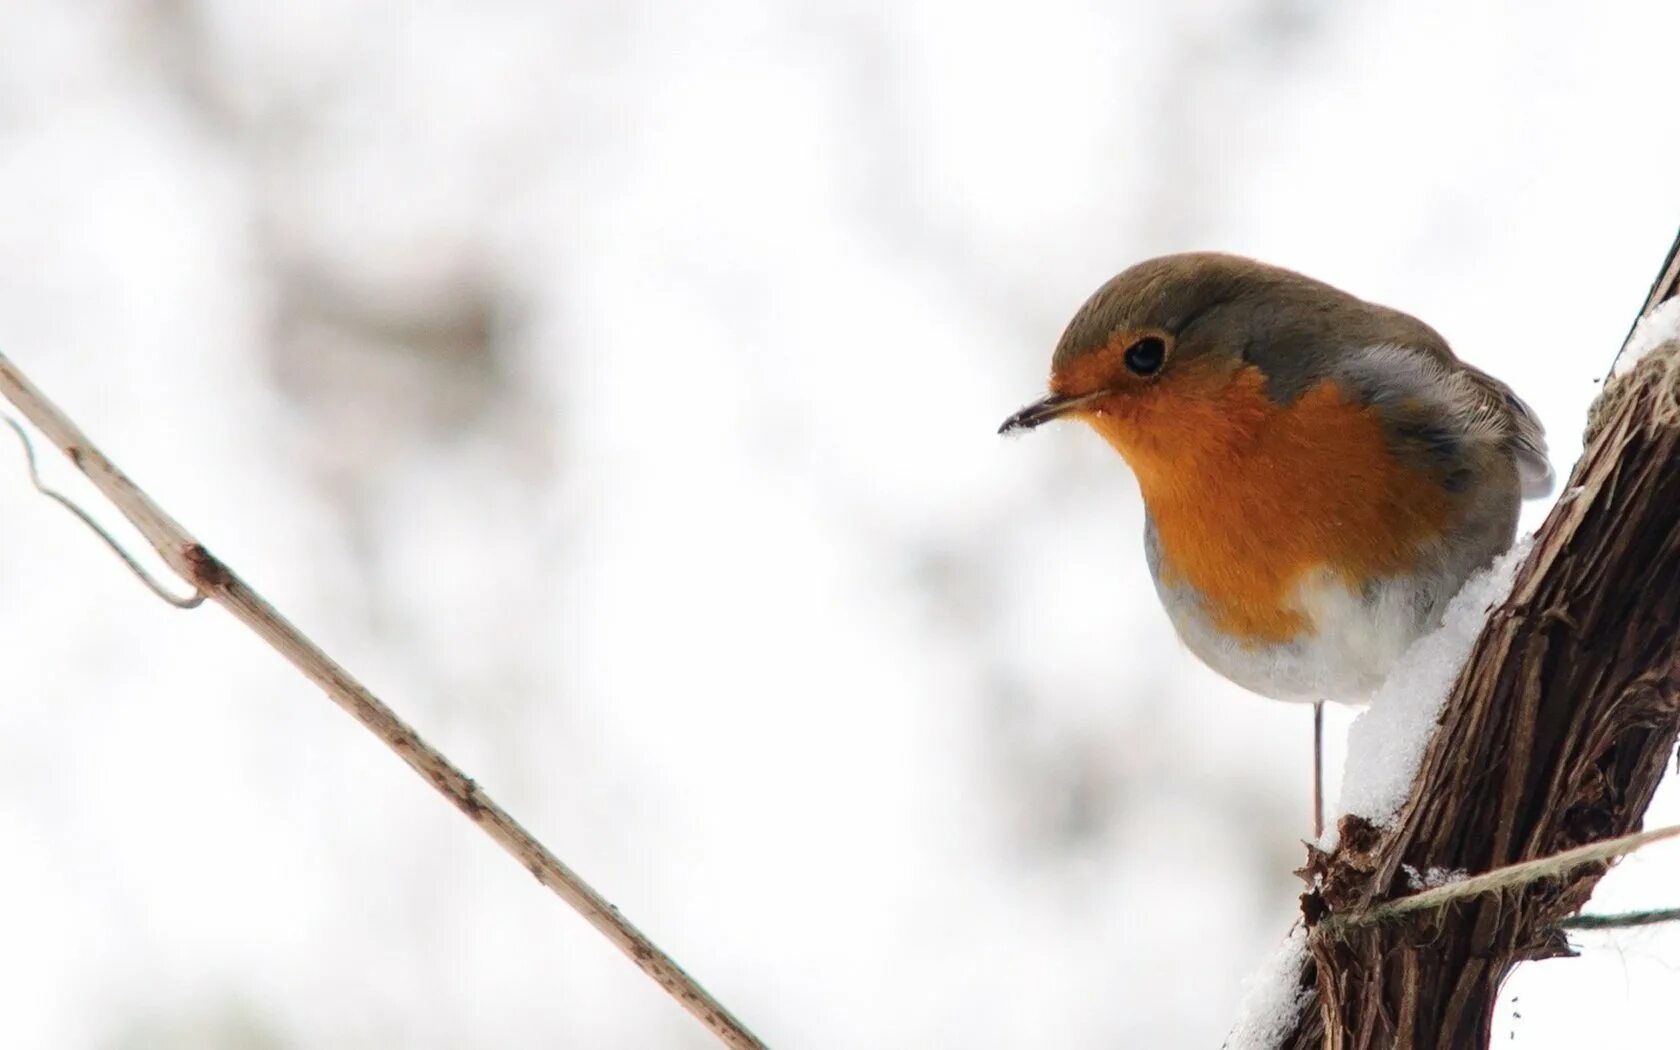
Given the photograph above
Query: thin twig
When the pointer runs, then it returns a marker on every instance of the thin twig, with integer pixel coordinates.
(192, 601)
(1621, 920)
(1664, 287)
(1508, 877)
(211, 577)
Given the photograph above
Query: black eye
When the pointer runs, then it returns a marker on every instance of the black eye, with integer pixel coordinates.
(1145, 356)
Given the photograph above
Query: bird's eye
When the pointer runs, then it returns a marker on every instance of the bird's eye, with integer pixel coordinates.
(1144, 357)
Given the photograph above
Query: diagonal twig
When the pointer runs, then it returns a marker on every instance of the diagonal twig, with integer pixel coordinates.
(1512, 875)
(192, 601)
(186, 556)
(1620, 920)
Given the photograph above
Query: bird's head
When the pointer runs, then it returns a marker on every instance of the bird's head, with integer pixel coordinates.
(1178, 352)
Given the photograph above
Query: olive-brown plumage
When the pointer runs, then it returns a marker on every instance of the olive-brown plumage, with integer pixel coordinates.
(1320, 474)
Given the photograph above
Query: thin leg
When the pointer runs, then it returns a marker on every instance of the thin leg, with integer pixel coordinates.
(1318, 769)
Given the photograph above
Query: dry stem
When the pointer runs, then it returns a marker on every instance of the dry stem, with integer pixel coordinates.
(186, 556)
(1509, 877)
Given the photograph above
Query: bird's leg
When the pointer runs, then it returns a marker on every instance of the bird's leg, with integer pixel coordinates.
(1318, 769)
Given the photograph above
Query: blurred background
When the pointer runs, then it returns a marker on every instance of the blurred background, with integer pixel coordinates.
(613, 385)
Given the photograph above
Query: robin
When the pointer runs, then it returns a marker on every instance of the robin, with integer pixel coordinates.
(1319, 474)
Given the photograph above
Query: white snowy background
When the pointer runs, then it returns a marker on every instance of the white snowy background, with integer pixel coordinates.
(612, 385)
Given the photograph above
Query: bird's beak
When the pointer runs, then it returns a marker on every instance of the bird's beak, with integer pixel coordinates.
(1045, 409)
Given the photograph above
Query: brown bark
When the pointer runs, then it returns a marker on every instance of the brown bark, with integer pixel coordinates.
(1554, 736)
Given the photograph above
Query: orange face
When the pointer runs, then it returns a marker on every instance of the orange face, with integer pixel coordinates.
(1102, 380)
(1248, 495)
(1130, 361)
(1147, 402)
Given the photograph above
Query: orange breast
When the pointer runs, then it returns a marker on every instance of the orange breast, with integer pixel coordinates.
(1249, 497)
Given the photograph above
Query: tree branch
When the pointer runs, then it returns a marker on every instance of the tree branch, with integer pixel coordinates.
(186, 556)
(1553, 738)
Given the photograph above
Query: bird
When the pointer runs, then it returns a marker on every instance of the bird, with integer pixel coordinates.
(1320, 474)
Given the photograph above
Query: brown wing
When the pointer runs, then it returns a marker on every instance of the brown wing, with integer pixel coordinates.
(1437, 401)
(1524, 434)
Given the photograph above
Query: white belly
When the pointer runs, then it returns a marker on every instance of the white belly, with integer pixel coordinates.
(1353, 640)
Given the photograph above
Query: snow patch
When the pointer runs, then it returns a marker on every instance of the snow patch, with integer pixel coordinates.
(1660, 326)
(1433, 878)
(1387, 740)
(1272, 997)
